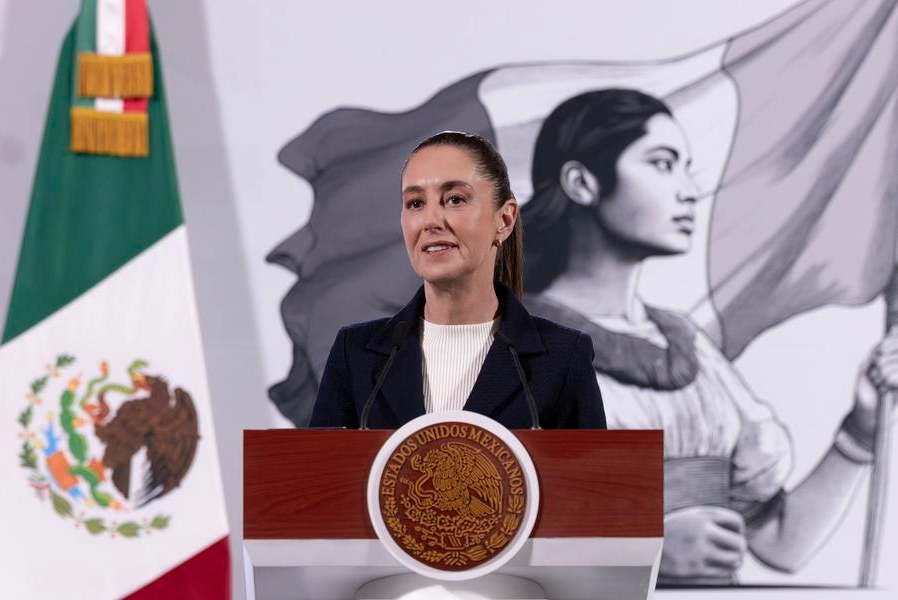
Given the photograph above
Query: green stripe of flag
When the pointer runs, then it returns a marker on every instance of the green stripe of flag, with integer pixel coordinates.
(85, 41)
(89, 214)
(86, 27)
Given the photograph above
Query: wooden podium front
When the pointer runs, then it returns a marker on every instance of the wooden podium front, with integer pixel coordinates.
(307, 533)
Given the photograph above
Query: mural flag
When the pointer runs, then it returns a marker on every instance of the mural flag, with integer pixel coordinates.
(807, 212)
(111, 478)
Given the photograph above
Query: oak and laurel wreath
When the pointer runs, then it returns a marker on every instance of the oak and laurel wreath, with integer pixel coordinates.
(496, 541)
(391, 513)
(61, 506)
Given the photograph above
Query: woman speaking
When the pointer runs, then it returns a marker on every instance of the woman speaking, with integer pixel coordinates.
(464, 341)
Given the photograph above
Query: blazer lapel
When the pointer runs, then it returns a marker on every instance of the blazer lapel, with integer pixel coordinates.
(403, 389)
(498, 379)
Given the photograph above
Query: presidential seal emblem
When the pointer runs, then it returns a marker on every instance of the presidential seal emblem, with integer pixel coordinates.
(453, 495)
(98, 451)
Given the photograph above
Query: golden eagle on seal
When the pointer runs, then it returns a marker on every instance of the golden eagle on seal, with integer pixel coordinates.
(462, 479)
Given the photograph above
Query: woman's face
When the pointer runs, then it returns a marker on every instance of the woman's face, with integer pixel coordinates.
(449, 222)
(652, 209)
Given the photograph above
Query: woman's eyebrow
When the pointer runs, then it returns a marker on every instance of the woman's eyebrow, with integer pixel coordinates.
(447, 185)
(454, 184)
(676, 155)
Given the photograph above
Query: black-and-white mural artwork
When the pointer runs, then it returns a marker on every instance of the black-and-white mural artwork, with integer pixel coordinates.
(675, 211)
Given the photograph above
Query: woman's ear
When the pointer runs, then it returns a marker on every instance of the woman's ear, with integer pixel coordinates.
(578, 182)
(505, 219)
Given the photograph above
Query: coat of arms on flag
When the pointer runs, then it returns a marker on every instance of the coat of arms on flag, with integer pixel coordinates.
(84, 457)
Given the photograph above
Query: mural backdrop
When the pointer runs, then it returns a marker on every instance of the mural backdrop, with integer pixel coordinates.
(764, 164)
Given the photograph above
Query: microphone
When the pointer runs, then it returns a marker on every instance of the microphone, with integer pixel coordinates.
(531, 403)
(398, 333)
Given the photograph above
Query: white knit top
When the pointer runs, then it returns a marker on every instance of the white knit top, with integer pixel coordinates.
(453, 356)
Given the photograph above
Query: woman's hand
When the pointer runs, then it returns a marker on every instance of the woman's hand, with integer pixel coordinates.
(879, 375)
(703, 541)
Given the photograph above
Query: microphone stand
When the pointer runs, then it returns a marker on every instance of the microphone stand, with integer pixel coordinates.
(531, 403)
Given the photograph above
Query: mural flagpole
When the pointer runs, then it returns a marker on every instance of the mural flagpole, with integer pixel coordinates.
(876, 501)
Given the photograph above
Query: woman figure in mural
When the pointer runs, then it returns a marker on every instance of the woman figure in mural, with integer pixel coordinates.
(612, 188)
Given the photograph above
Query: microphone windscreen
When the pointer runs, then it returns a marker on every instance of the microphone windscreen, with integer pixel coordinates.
(398, 333)
(503, 338)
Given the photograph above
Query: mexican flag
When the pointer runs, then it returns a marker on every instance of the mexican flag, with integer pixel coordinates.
(111, 482)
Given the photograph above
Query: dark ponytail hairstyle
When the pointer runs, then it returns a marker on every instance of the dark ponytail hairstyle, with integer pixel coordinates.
(594, 129)
(510, 257)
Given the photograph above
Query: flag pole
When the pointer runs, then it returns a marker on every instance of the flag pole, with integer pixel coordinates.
(876, 500)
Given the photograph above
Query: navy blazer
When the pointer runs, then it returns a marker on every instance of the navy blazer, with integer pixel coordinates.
(557, 363)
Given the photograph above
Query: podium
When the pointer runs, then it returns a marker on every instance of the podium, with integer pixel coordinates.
(307, 533)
